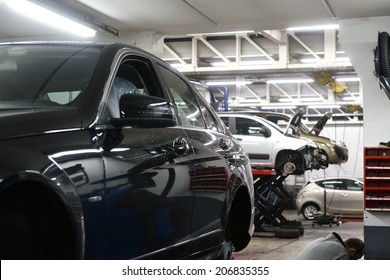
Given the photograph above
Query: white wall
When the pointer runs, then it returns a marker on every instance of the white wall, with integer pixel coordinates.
(352, 135)
(359, 38)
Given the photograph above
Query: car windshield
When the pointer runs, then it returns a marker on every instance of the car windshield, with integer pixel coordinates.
(44, 75)
(273, 125)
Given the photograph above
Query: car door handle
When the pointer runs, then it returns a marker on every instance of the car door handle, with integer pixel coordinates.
(239, 139)
(181, 146)
(344, 194)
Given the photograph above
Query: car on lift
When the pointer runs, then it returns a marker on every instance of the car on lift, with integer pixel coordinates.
(107, 152)
(271, 148)
(335, 195)
(336, 151)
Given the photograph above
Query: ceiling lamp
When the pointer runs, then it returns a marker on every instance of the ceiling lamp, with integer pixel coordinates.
(314, 28)
(289, 81)
(51, 18)
(228, 83)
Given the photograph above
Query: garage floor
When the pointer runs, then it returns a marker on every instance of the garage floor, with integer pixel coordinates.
(273, 248)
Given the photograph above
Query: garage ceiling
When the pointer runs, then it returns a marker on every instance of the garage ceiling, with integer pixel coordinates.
(196, 16)
(181, 17)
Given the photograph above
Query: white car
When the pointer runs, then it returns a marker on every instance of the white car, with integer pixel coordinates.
(270, 147)
(344, 196)
(336, 151)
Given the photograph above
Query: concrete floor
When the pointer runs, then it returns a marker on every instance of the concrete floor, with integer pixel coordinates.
(273, 248)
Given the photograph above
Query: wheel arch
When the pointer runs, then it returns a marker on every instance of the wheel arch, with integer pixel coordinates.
(48, 209)
(283, 155)
(239, 219)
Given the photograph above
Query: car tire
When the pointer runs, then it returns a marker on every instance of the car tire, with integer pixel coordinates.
(226, 252)
(294, 225)
(309, 210)
(301, 229)
(287, 233)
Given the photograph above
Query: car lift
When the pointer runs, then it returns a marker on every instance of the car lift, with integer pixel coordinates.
(271, 199)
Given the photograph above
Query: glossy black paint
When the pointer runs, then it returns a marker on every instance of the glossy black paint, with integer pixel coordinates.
(78, 183)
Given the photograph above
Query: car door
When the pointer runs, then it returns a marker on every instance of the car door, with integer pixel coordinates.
(351, 196)
(256, 140)
(148, 201)
(209, 169)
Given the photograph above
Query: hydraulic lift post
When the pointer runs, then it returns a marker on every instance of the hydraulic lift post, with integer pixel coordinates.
(271, 200)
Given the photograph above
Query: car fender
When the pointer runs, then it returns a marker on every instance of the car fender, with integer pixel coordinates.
(51, 179)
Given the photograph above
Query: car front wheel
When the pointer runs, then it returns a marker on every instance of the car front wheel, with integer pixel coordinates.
(309, 210)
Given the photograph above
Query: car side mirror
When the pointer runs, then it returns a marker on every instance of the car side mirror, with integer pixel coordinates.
(266, 132)
(145, 111)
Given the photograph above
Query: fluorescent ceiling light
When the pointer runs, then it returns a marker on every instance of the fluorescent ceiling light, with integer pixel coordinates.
(302, 99)
(316, 60)
(243, 63)
(222, 33)
(177, 65)
(290, 81)
(273, 107)
(228, 83)
(313, 28)
(330, 106)
(48, 17)
(175, 59)
(349, 98)
(348, 79)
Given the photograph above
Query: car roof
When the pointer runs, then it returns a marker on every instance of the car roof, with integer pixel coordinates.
(264, 121)
(335, 178)
(114, 45)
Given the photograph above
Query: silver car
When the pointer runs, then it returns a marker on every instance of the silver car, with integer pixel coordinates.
(271, 148)
(336, 151)
(341, 195)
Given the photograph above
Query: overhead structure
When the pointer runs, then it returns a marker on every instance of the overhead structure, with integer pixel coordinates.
(253, 64)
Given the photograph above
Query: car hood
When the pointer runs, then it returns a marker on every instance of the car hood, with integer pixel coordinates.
(32, 121)
(296, 120)
(293, 124)
(319, 126)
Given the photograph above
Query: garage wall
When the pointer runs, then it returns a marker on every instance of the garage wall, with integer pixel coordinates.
(359, 39)
(352, 135)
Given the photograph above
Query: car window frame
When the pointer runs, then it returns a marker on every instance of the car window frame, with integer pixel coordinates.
(199, 102)
(128, 57)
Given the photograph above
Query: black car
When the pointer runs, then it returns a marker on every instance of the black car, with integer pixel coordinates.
(106, 152)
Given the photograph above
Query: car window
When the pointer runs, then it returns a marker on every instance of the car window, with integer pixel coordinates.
(133, 77)
(225, 120)
(188, 108)
(211, 121)
(334, 184)
(330, 184)
(246, 126)
(353, 185)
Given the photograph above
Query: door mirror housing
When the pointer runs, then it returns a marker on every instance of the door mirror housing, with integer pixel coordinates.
(145, 111)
